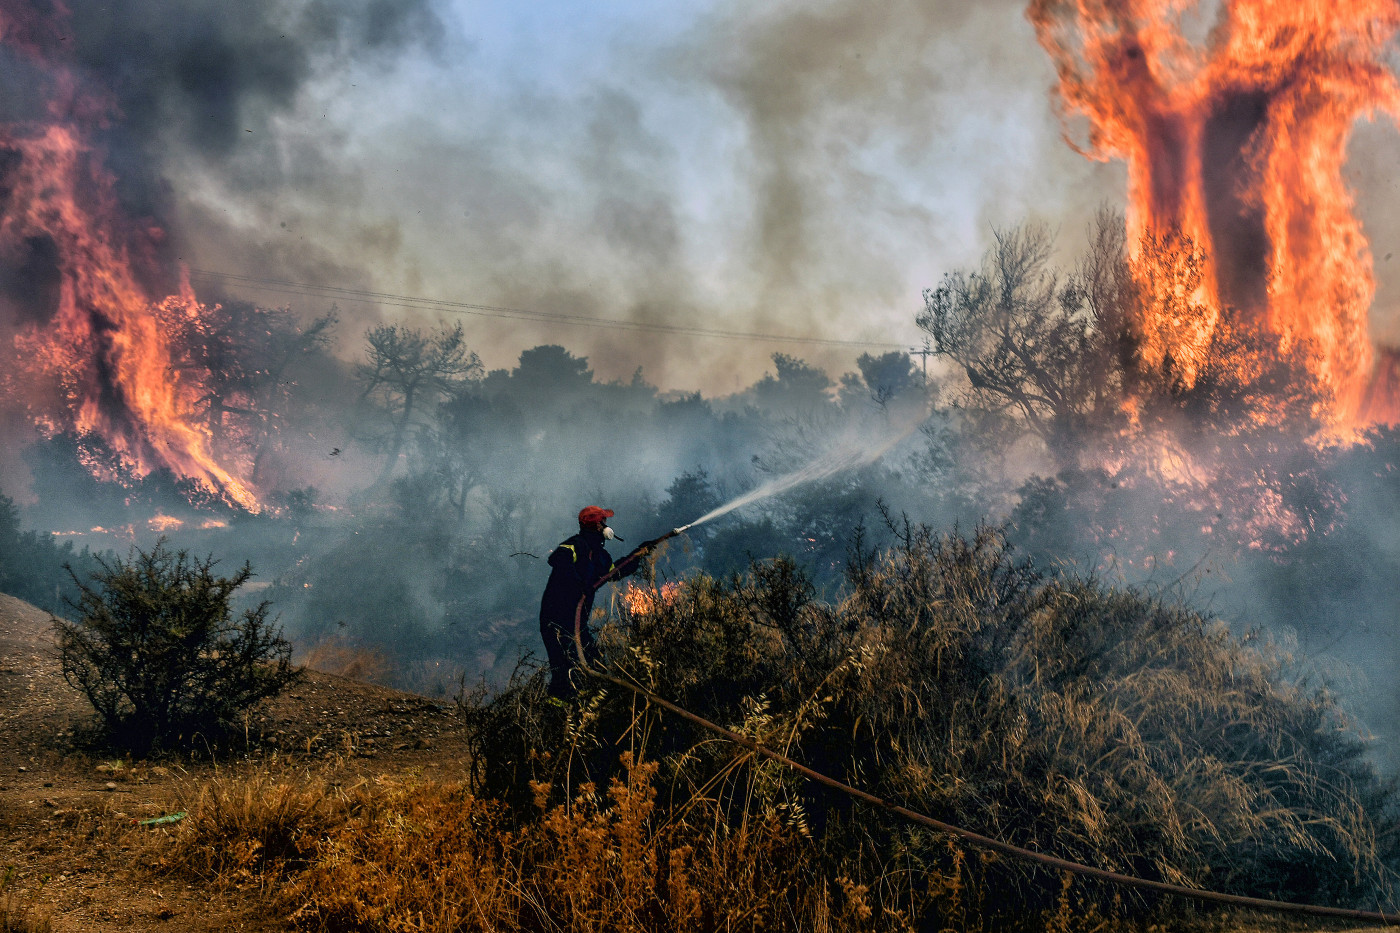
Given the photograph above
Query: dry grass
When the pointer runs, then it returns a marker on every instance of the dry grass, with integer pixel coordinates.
(397, 855)
(19, 908)
(349, 657)
(345, 657)
(1096, 724)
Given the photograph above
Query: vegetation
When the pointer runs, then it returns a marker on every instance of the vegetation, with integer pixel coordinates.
(18, 910)
(1099, 724)
(32, 565)
(1061, 715)
(157, 648)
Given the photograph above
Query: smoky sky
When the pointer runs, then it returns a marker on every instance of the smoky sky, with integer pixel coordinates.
(781, 167)
(193, 77)
(785, 168)
(162, 86)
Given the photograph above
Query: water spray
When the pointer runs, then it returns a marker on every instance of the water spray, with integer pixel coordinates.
(853, 453)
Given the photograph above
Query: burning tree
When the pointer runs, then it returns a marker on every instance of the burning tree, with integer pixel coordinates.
(1043, 349)
(1091, 361)
(1162, 447)
(1238, 143)
(83, 297)
(239, 355)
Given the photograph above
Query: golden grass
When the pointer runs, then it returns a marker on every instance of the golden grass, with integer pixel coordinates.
(401, 855)
(345, 657)
(19, 903)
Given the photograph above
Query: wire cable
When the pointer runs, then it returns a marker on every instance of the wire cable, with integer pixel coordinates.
(389, 299)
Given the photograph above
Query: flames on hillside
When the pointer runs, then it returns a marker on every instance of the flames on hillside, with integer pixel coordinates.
(93, 353)
(1236, 142)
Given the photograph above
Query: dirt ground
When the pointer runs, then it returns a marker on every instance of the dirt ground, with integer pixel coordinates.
(70, 831)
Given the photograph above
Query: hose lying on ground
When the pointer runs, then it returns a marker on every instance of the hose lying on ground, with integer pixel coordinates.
(966, 835)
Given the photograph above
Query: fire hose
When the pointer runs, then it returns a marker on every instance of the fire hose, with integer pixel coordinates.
(966, 835)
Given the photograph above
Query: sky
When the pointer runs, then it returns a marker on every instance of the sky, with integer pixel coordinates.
(799, 169)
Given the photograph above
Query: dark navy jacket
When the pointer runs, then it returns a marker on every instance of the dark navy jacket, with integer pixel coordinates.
(577, 566)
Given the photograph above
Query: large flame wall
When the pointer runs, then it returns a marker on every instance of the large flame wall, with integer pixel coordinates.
(93, 347)
(1238, 141)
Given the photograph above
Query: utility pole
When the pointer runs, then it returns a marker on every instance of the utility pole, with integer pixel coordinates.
(925, 352)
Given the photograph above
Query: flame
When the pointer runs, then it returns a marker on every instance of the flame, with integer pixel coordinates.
(643, 600)
(101, 346)
(1236, 143)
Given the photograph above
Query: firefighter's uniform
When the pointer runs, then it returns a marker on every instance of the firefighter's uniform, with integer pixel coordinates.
(577, 567)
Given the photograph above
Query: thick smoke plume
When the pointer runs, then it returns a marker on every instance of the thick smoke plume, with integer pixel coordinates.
(195, 80)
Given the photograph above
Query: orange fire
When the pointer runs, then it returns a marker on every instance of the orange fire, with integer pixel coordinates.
(643, 600)
(1235, 137)
(98, 341)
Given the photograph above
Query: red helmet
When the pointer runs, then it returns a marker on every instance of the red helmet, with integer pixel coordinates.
(593, 515)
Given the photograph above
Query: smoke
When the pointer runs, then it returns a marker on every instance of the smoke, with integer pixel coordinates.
(858, 448)
(166, 91)
(798, 169)
(194, 80)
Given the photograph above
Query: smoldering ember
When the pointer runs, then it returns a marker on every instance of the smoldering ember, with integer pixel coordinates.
(1004, 398)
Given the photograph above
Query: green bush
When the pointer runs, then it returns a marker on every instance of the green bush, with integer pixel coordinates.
(158, 650)
(1097, 724)
(32, 563)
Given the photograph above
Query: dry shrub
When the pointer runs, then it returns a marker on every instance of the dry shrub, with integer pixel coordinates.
(346, 657)
(388, 855)
(1101, 725)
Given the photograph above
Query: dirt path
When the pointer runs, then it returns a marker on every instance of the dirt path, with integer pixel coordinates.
(70, 816)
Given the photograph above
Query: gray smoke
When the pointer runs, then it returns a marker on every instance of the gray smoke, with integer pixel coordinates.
(784, 168)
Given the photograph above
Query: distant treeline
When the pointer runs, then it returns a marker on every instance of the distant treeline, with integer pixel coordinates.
(34, 565)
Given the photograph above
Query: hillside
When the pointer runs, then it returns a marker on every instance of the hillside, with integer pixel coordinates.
(71, 816)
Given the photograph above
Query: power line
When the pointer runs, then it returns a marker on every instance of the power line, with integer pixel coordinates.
(389, 299)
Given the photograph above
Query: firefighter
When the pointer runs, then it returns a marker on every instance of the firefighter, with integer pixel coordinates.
(578, 567)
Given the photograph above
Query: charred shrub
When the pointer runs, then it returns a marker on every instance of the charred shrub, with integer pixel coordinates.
(159, 651)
